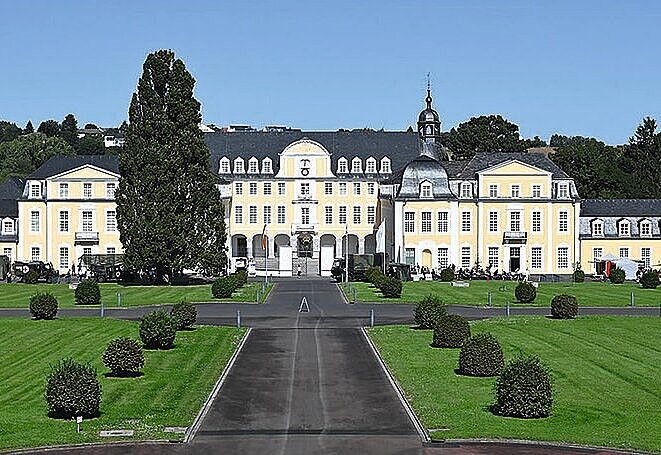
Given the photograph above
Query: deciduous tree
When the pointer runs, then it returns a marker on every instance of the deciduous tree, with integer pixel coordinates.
(486, 133)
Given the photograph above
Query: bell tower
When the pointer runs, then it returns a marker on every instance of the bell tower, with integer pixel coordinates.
(429, 122)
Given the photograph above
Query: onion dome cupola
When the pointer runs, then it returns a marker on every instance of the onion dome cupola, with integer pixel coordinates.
(429, 122)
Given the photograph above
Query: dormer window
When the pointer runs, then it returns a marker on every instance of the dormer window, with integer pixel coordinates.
(385, 165)
(267, 166)
(624, 228)
(342, 166)
(563, 190)
(224, 166)
(370, 166)
(645, 228)
(425, 190)
(35, 190)
(8, 227)
(356, 166)
(597, 228)
(253, 168)
(466, 189)
(238, 166)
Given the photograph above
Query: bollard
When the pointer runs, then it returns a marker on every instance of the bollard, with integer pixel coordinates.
(119, 299)
(508, 308)
(257, 295)
(354, 295)
(238, 318)
(489, 301)
(101, 309)
(632, 302)
(371, 318)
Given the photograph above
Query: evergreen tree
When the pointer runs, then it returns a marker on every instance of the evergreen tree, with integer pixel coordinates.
(169, 211)
(69, 130)
(90, 144)
(643, 160)
(8, 131)
(486, 133)
(29, 129)
(49, 127)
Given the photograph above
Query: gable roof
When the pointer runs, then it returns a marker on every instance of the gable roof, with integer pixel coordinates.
(10, 190)
(59, 164)
(621, 207)
(485, 160)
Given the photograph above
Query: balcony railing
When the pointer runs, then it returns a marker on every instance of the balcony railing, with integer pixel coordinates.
(87, 236)
(301, 227)
(515, 236)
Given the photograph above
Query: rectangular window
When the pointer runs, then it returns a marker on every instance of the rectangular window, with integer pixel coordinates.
(443, 225)
(281, 188)
(8, 227)
(356, 214)
(597, 228)
(409, 222)
(425, 190)
(110, 190)
(493, 221)
(64, 221)
(371, 188)
(563, 190)
(252, 214)
(266, 167)
(281, 214)
(409, 256)
(253, 188)
(371, 214)
(537, 221)
(252, 167)
(493, 190)
(64, 190)
(563, 257)
(87, 221)
(87, 190)
(515, 221)
(87, 250)
(328, 214)
(111, 250)
(371, 166)
(356, 166)
(238, 214)
(465, 257)
(646, 256)
(328, 188)
(34, 221)
(267, 214)
(342, 166)
(305, 190)
(624, 252)
(305, 215)
(597, 253)
(111, 221)
(35, 190)
(7, 252)
(267, 188)
(645, 229)
(238, 188)
(443, 258)
(425, 222)
(625, 229)
(64, 257)
(515, 191)
(536, 257)
(563, 221)
(537, 191)
(465, 221)
(465, 190)
(224, 167)
(356, 188)
(343, 188)
(492, 256)
(238, 166)
(385, 166)
(342, 218)
(35, 253)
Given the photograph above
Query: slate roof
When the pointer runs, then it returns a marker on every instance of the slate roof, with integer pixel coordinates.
(10, 190)
(58, 164)
(424, 168)
(485, 160)
(621, 207)
(401, 147)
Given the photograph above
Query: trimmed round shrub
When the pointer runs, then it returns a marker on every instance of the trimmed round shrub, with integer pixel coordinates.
(223, 287)
(123, 357)
(525, 292)
(649, 280)
(447, 274)
(158, 330)
(617, 276)
(524, 389)
(43, 305)
(481, 355)
(242, 278)
(391, 287)
(72, 389)
(369, 273)
(579, 276)
(378, 277)
(88, 293)
(184, 314)
(451, 332)
(564, 306)
(31, 277)
(429, 311)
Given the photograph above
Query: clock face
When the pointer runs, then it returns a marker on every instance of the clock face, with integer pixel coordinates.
(305, 167)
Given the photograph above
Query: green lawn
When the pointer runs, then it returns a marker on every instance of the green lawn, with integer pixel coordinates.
(17, 295)
(588, 293)
(174, 386)
(606, 369)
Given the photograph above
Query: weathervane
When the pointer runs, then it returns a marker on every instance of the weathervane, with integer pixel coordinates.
(428, 81)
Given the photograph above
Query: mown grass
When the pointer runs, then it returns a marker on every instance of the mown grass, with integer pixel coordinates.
(588, 293)
(171, 392)
(17, 295)
(606, 371)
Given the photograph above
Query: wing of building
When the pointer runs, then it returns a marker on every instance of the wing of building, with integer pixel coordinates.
(303, 198)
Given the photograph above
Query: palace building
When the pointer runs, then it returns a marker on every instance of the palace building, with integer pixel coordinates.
(317, 195)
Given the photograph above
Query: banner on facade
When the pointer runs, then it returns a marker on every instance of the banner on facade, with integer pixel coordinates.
(381, 238)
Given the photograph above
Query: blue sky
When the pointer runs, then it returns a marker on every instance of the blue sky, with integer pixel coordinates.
(571, 67)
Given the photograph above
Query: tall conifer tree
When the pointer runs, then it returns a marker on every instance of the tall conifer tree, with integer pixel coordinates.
(169, 211)
(69, 130)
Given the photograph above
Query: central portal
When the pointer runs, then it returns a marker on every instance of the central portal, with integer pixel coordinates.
(305, 246)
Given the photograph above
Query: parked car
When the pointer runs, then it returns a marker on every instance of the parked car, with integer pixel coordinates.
(102, 267)
(45, 270)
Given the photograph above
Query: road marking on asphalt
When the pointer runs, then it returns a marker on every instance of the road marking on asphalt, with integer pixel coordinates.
(304, 307)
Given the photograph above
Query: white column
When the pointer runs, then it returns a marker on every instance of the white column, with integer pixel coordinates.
(271, 246)
(398, 229)
(339, 247)
(361, 245)
(455, 224)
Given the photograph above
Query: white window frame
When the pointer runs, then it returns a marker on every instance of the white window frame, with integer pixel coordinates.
(356, 165)
(35, 221)
(536, 263)
(409, 222)
(328, 214)
(239, 166)
(342, 189)
(493, 221)
(238, 214)
(238, 188)
(267, 166)
(266, 214)
(64, 257)
(253, 165)
(111, 187)
(356, 188)
(282, 214)
(282, 188)
(8, 226)
(515, 221)
(493, 256)
(328, 188)
(88, 191)
(252, 188)
(621, 232)
(537, 191)
(357, 218)
(63, 221)
(466, 221)
(425, 222)
(252, 214)
(597, 232)
(370, 166)
(35, 190)
(466, 257)
(64, 190)
(563, 221)
(385, 165)
(443, 259)
(371, 214)
(342, 166)
(267, 189)
(466, 190)
(224, 166)
(371, 188)
(442, 221)
(493, 190)
(645, 228)
(515, 191)
(305, 215)
(536, 224)
(426, 190)
(625, 250)
(87, 221)
(562, 255)
(111, 221)
(563, 190)
(342, 215)
(35, 253)
(646, 256)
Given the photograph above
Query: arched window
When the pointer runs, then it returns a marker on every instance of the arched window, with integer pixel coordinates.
(342, 166)
(239, 166)
(370, 166)
(466, 189)
(425, 190)
(267, 166)
(597, 228)
(356, 166)
(224, 167)
(645, 228)
(385, 165)
(253, 166)
(624, 228)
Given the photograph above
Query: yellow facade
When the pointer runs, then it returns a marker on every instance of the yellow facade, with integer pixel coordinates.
(646, 250)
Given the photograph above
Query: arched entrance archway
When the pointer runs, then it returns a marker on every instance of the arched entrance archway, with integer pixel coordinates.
(370, 244)
(239, 246)
(257, 250)
(279, 241)
(327, 254)
(352, 248)
(426, 258)
(304, 246)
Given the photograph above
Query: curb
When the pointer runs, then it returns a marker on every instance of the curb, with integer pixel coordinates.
(344, 296)
(419, 428)
(535, 444)
(48, 449)
(194, 428)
